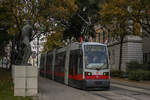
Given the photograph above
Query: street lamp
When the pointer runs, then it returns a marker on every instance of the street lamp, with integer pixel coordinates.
(38, 37)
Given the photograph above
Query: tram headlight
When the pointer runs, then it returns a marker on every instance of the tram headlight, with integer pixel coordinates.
(88, 73)
(106, 73)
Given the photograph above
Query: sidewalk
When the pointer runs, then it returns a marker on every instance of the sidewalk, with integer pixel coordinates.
(52, 90)
(138, 84)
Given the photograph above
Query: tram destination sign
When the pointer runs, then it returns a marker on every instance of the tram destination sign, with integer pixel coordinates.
(94, 48)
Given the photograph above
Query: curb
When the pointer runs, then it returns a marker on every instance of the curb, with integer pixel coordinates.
(131, 84)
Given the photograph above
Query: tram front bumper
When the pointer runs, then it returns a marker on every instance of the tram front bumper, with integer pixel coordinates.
(96, 83)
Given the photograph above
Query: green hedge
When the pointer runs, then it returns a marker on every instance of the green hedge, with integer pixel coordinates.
(139, 75)
(6, 87)
(135, 71)
(133, 65)
(116, 73)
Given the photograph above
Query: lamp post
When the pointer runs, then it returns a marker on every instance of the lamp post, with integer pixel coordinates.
(38, 37)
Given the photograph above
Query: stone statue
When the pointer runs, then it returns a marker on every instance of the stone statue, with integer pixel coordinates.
(26, 38)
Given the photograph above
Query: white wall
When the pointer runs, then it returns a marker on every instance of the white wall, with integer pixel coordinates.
(132, 51)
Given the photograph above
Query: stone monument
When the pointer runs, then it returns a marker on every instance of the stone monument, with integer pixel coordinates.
(26, 38)
(25, 75)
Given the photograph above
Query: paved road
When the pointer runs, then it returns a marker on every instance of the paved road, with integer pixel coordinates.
(51, 90)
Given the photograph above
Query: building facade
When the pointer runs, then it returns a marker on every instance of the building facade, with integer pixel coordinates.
(146, 49)
(135, 48)
(37, 47)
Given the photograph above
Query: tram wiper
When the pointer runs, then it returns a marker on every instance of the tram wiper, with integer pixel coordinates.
(97, 66)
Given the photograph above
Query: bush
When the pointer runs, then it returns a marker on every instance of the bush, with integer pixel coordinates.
(139, 75)
(6, 87)
(138, 71)
(133, 65)
(116, 73)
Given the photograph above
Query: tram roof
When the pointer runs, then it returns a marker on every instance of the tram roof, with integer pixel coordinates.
(92, 43)
(75, 44)
(86, 43)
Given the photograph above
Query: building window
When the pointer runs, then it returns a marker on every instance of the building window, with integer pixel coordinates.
(99, 36)
(113, 56)
(104, 37)
(146, 58)
(108, 37)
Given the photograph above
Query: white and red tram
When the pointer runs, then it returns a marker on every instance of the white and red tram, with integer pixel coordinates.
(81, 65)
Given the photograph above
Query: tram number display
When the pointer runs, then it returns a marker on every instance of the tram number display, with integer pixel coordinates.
(94, 48)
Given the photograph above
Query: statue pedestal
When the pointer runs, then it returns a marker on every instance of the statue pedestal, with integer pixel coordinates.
(25, 79)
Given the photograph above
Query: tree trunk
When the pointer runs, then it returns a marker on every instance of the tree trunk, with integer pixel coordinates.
(120, 56)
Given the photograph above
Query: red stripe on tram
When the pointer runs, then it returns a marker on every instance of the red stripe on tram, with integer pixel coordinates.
(49, 72)
(76, 77)
(61, 74)
(96, 77)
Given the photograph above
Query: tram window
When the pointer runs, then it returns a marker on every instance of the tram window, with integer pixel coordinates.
(60, 62)
(80, 64)
(49, 62)
(75, 62)
(42, 63)
(71, 65)
(63, 62)
(56, 62)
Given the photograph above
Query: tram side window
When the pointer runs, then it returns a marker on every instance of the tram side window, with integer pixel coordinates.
(75, 62)
(60, 62)
(51, 60)
(80, 64)
(56, 63)
(49, 63)
(70, 65)
(63, 62)
(42, 63)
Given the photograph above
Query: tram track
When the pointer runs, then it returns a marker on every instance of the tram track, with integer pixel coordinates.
(100, 95)
(115, 96)
(51, 90)
(127, 93)
(118, 96)
(131, 85)
(124, 93)
(133, 89)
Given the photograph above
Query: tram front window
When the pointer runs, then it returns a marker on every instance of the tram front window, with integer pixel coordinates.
(95, 57)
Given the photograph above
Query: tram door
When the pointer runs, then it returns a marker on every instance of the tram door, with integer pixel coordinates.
(75, 68)
(66, 71)
(73, 64)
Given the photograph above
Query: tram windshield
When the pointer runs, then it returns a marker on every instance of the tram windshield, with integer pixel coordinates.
(95, 57)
